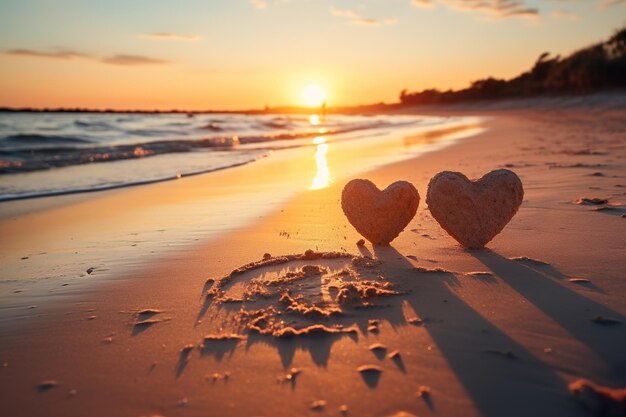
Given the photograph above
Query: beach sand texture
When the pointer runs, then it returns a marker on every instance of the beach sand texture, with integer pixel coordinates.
(248, 323)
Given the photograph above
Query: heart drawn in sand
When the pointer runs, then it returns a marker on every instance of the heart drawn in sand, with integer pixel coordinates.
(379, 216)
(473, 212)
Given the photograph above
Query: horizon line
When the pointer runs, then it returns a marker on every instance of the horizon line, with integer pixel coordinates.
(63, 109)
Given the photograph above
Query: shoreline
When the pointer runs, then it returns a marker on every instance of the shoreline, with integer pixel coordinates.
(60, 238)
(470, 322)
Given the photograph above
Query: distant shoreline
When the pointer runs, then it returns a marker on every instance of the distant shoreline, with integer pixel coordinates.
(364, 109)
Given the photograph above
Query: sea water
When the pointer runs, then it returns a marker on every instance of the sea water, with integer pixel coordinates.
(44, 154)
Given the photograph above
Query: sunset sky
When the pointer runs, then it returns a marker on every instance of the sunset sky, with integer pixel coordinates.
(236, 54)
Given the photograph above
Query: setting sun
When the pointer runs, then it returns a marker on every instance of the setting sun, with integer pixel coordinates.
(313, 95)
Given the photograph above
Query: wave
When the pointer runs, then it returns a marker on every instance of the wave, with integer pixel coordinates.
(37, 163)
(152, 132)
(93, 126)
(212, 126)
(28, 159)
(277, 123)
(105, 187)
(36, 139)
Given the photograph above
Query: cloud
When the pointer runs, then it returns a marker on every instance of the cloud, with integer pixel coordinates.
(170, 36)
(63, 54)
(491, 8)
(564, 14)
(358, 19)
(132, 60)
(259, 4)
(426, 4)
(263, 4)
(344, 13)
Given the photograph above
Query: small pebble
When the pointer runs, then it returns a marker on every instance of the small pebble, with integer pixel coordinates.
(148, 311)
(187, 348)
(369, 369)
(293, 372)
(579, 280)
(317, 405)
(47, 384)
(423, 391)
(593, 201)
(290, 376)
(377, 346)
(393, 354)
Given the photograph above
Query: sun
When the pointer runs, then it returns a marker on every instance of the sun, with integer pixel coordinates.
(313, 95)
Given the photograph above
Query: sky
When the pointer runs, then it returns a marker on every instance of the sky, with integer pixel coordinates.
(246, 54)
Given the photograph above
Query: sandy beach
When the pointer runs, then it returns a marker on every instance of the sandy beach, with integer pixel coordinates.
(444, 331)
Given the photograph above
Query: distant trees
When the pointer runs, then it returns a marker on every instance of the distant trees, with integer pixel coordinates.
(597, 67)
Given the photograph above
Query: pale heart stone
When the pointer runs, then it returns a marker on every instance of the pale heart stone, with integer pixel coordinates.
(379, 216)
(473, 212)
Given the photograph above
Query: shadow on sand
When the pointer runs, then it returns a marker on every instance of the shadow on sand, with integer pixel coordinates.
(571, 310)
(511, 382)
(501, 376)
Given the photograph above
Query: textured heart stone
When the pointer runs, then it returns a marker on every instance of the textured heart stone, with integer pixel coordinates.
(379, 216)
(474, 212)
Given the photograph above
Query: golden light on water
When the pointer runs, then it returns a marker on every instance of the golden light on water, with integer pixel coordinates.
(313, 95)
(322, 176)
(314, 119)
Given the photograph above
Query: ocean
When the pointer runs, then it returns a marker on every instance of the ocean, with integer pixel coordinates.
(44, 154)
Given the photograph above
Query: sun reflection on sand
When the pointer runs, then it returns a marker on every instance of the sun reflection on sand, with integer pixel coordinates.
(322, 176)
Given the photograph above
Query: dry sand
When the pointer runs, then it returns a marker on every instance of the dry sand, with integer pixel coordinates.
(427, 328)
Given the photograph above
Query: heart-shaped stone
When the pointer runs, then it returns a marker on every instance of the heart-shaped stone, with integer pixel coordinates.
(473, 212)
(379, 216)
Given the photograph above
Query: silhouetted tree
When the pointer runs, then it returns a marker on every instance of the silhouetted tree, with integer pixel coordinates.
(599, 66)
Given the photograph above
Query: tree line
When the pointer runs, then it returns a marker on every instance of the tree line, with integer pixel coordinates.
(601, 66)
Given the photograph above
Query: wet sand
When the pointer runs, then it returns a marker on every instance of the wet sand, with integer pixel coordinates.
(425, 327)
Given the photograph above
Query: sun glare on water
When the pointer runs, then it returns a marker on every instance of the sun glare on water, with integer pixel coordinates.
(315, 119)
(322, 176)
(313, 95)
